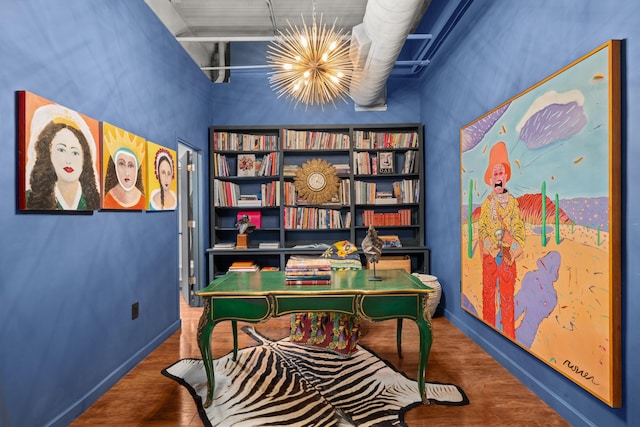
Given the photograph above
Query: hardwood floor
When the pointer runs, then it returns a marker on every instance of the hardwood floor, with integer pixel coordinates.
(144, 397)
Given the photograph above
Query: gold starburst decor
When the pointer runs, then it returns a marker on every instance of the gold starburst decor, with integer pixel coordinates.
(310, 64)
(316, 181)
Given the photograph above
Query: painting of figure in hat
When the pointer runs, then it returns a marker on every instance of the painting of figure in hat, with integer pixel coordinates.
(540, 221)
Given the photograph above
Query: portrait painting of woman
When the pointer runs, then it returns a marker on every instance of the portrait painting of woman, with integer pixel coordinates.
(161, 180)
(58, 152)
(124, 168)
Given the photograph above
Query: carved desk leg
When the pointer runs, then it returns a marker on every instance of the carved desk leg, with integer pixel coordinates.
(234, 329)
(424, 327)
(205, 327)
(399, 337)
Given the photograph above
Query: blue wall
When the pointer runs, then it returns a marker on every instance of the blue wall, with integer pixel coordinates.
(67, 282)
(499, 49)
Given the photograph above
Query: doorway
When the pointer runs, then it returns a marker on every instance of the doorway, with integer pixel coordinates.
(190, 240)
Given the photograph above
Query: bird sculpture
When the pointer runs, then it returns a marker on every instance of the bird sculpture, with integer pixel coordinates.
(245, 225)
(372, 248)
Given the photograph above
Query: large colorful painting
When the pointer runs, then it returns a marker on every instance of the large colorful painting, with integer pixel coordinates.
(540, 209)
(161, 180)
(58, 157)
(124, 169)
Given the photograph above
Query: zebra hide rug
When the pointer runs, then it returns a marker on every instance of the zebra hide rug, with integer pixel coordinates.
(280, 383)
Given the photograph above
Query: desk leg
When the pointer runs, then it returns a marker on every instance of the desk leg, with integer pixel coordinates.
(424, 327)
(234, 328)
(399, 337)
(205, 328)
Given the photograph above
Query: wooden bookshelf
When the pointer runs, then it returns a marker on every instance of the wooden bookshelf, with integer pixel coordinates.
(380, 169)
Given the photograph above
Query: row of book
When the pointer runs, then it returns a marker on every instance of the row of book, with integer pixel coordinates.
(342, 197)
(229, 141)
(401, 217)
(315, 140)
(300, 218)
(227, 194)
(372, 139)
(307, 271)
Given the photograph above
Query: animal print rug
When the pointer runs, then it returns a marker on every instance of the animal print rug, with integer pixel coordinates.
(281, 383)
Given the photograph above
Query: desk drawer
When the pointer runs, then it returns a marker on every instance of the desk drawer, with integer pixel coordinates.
(391, 306)
(248, 309)
(297, 304)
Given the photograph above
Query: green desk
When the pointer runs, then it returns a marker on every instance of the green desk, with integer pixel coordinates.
(257, 296)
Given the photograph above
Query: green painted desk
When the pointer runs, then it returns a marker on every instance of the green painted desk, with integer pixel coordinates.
(257, 296)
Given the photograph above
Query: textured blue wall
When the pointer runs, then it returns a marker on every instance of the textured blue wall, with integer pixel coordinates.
(499, 49)
(67, 282)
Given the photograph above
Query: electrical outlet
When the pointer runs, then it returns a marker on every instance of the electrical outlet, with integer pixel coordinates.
(135, 310)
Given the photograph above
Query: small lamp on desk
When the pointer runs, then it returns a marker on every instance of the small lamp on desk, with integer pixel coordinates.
(244, 226)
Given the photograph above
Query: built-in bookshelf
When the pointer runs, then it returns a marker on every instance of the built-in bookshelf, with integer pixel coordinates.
(380, 173)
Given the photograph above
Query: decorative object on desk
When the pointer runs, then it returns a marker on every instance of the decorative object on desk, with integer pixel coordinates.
(372, 248)
(316, 181)
(386, 162)
(244, 227)
(298, 378)
(307, 271)
(310, 64)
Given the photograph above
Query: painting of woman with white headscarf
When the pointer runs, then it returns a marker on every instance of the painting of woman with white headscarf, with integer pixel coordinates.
(124, 168)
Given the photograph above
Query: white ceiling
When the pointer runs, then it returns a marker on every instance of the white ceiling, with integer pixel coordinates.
(210, 29)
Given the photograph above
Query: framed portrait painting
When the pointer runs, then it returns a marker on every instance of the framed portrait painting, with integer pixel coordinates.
(58, 157)
(124, 169)
(161, 179)
(540, 212)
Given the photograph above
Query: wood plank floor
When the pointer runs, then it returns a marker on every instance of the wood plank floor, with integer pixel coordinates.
(144, 397)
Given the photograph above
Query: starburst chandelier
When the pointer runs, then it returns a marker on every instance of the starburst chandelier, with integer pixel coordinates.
(310, 64)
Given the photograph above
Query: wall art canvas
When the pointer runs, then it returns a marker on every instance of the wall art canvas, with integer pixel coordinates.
(540, 212)
(161, 180)
(58, 157)
(123, 168)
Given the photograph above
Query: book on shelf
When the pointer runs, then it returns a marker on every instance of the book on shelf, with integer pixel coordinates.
(249, 200)
(254, 216)
(390, 241)
(244, 266)
(269, 245)
(224, 245)
(270, 268)
(385, 201)
(246, 165)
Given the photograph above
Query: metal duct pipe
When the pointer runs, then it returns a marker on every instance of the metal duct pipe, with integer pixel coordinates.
(376, 44)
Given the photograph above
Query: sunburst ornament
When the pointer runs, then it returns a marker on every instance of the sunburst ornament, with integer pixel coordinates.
(310, 64)
(316, 181)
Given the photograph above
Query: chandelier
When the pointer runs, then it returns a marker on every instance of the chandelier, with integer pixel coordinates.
(310, 64)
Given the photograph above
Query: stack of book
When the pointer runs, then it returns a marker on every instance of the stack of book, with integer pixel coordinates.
(307, 271)
(224, 245)
(391, 241)
(244, 266)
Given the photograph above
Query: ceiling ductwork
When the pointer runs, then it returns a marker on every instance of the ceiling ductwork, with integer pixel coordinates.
(376, 45)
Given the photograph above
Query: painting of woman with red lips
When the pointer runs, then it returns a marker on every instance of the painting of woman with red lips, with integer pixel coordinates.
(58, 157)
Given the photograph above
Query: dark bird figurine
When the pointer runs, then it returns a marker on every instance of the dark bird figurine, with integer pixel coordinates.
(245, 226)
(372, 248)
